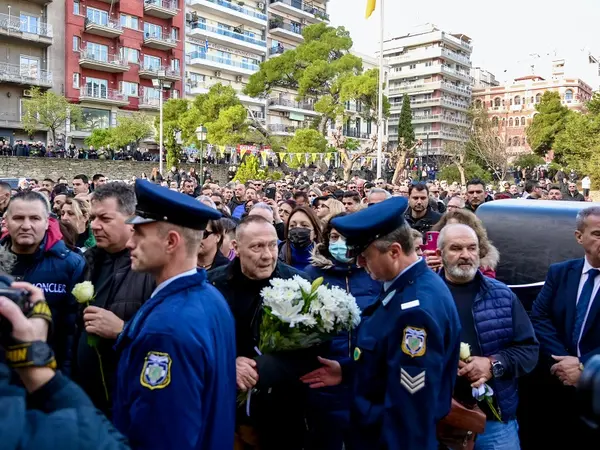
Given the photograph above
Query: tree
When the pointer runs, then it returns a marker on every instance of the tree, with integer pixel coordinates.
(100, 137)
(548, 123)
(486, 145)
(350, 151)
(451, 173)
(528, 160)
(250, 170)
(305, 141)
(49, 110)
(457, 158)
(406, 133)
(131, 128)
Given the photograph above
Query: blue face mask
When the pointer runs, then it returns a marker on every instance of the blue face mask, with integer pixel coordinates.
(338, 251)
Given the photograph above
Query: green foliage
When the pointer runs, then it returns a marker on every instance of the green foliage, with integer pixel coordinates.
(250, 170)
(548, 123)
(472, 170)
(304, 141)
(100, 137)
(173, 149)
(528, 160)
(49, 110)
(131, 129)
(364, 89)
(405, 128)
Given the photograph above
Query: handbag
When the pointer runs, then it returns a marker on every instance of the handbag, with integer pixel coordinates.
(458, 430)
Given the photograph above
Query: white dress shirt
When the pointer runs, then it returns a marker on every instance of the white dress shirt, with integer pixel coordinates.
(584, 276)
(168, 281)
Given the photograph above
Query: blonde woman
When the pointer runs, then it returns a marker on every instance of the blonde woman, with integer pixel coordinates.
(76, 212)
(334, 207)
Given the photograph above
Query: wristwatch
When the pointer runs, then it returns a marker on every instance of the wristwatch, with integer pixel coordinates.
(497, 368)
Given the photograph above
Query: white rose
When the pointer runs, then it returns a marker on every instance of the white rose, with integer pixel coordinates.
(83, 292)
(465, 351)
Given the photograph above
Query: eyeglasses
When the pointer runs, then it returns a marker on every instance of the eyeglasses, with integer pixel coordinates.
(217, 203)
(207, 234)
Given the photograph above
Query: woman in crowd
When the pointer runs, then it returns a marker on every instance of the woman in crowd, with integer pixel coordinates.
(226, 248)
(488, 254)
(302, 232)
(76, 212)
(329, 416)
(209, 253)
(155, 176)
(417, 241)
(285, 209)
(333, 207)
(313, 193)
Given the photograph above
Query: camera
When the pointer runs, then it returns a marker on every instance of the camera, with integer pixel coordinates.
(588, 393)
(19, 296)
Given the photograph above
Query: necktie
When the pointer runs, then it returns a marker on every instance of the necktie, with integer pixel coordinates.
(582, 305)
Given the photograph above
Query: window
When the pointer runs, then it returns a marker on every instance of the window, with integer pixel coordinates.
(568, 95)
(175, 64)
(76, 9)
(538, 98)
(523, 123)
(96, 87)
(428, 64)
(175, 33)
(510, 122)
(131, 55)
(497, 102)
(129, 89)
(509, 142)
(478, 104)
(128, 21)
(152, 30)
(97, 51)
(175, 93)
(523, 141)
(76, 43)
(76, 80)
(30, 24)
(495, 121)
(517, 122)
(412, 66)
(94, 118)
(516, 141)
(30, 66)
(517, 100)
(151, 93)
(97, 16)
(151, 62)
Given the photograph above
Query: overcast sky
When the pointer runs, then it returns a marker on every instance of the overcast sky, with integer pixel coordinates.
(504, 35)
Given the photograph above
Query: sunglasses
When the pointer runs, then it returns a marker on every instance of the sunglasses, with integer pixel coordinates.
(207, 234)
(217, 203)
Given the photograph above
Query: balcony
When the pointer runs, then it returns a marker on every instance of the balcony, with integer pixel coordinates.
(456, 74)
(462, 59)
(231, 38)
(102, 61)
(307, 11)
(354, 133)
(103, 95)
(453, 136)
(151, 72)
(159, 41)
(459, 42)
(109, 1)
(110, 29)
(281, 129)
(282, 104)
(276, 51)
(24, 75)
(149, 102)
(454, 104)
(13, 27)
(201, 59)
(199, 87)
(460, 90)
(416, 72)
(286, 30)
(229, 10)
(41, 2)
(163, 9)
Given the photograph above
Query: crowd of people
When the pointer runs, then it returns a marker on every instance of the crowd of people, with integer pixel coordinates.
(369, 238)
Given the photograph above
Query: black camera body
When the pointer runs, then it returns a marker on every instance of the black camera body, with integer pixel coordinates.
(19, 296)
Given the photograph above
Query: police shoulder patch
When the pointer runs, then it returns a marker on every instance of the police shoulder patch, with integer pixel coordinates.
(414, 341)
(156, 372)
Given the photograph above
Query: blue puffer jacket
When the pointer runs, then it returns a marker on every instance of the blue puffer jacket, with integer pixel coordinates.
(55, 270)
(357, 282)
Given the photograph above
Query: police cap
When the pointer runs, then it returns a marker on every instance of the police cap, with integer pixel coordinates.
(364, 227)
(159, 204)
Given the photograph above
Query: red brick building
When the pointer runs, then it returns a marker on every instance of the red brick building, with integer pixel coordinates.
(114, 48)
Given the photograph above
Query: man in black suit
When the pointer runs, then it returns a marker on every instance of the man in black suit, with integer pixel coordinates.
(566, 319)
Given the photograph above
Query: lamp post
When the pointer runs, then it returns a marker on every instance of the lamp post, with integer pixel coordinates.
(160, 83)
(427, 153)
(201, 135)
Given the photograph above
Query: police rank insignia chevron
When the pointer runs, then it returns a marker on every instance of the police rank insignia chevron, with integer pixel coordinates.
(156, 373)
(412, 384)
(414, 341)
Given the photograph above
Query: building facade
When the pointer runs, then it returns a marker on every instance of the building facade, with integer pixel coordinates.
(481, 78)
(113, 51)
(512, 107)
(32, 43)
(432, 67)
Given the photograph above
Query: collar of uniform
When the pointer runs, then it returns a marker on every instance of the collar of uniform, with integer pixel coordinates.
(168, 281)
(388, 284)
(587, 266)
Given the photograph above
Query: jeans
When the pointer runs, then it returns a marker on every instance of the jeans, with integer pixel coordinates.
(499, 436)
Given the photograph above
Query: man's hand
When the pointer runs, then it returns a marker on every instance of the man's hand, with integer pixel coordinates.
(330, 374)
(478, 370)
(102, 322)
(245, 373)
(566, 369)
(273, 204)
(432, 259)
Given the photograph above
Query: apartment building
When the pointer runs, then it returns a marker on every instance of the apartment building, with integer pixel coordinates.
(482, 78)
(512, 107)
(114, 51)
(32, 49)
(432, 67)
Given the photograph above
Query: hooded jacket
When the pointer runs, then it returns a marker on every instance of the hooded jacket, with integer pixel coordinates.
(56, 270)
(489, 262)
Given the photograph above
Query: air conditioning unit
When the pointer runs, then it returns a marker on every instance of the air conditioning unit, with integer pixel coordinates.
(261, 6)
(217, 73)
(238, 78)
(26, 92)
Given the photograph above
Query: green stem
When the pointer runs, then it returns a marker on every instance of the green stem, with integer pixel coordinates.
(102, 373)
(490, 403)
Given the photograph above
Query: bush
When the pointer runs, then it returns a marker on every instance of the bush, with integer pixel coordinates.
(451, 174)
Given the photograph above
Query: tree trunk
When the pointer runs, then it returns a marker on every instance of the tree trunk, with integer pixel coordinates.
(53, 131)
(461, 170)
(399, 166)
(323, 125)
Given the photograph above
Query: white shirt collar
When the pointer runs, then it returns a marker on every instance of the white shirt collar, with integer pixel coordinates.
(387, 284)
(587, 266)
(165, 283)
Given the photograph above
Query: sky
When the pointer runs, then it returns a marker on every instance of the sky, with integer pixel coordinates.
(504, 36)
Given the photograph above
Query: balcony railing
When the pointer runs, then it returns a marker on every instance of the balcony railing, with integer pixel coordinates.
(353, 132)
(292, 104)
(102, 57)
(15, 23)
(166, 4)
(110, 23)
(311, 9)
(461, 90)
(229, 33)
(24, 74)
(286, 26)
(239, 9)
(277, 50)
(449, 53)
(169, 72)
(102, 93)
(229, 62)
(282, 128)
(160, 37)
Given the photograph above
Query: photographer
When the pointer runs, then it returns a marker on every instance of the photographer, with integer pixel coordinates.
(52, 411)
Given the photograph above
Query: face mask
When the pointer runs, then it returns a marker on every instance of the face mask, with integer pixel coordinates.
(300, 237)
(338, 250)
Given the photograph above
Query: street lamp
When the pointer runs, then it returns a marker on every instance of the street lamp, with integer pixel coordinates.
(160, 83)
(201, 135)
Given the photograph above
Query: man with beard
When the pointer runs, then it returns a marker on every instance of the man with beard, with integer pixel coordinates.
(419, 215)
(476, 194)
(498, 330)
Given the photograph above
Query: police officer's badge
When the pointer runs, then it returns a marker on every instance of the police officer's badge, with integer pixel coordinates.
(357, 353)
(414, 341)
(156, 373)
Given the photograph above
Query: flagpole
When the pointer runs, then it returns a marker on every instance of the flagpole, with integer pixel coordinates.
(380, 102)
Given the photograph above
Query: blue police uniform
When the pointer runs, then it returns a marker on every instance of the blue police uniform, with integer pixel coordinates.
(176, 381)
(406, 356)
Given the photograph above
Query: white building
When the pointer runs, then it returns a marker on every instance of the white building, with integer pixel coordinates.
(482, 78)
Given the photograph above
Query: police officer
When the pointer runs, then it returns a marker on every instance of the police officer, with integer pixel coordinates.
(406, 356)
(175, 385)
